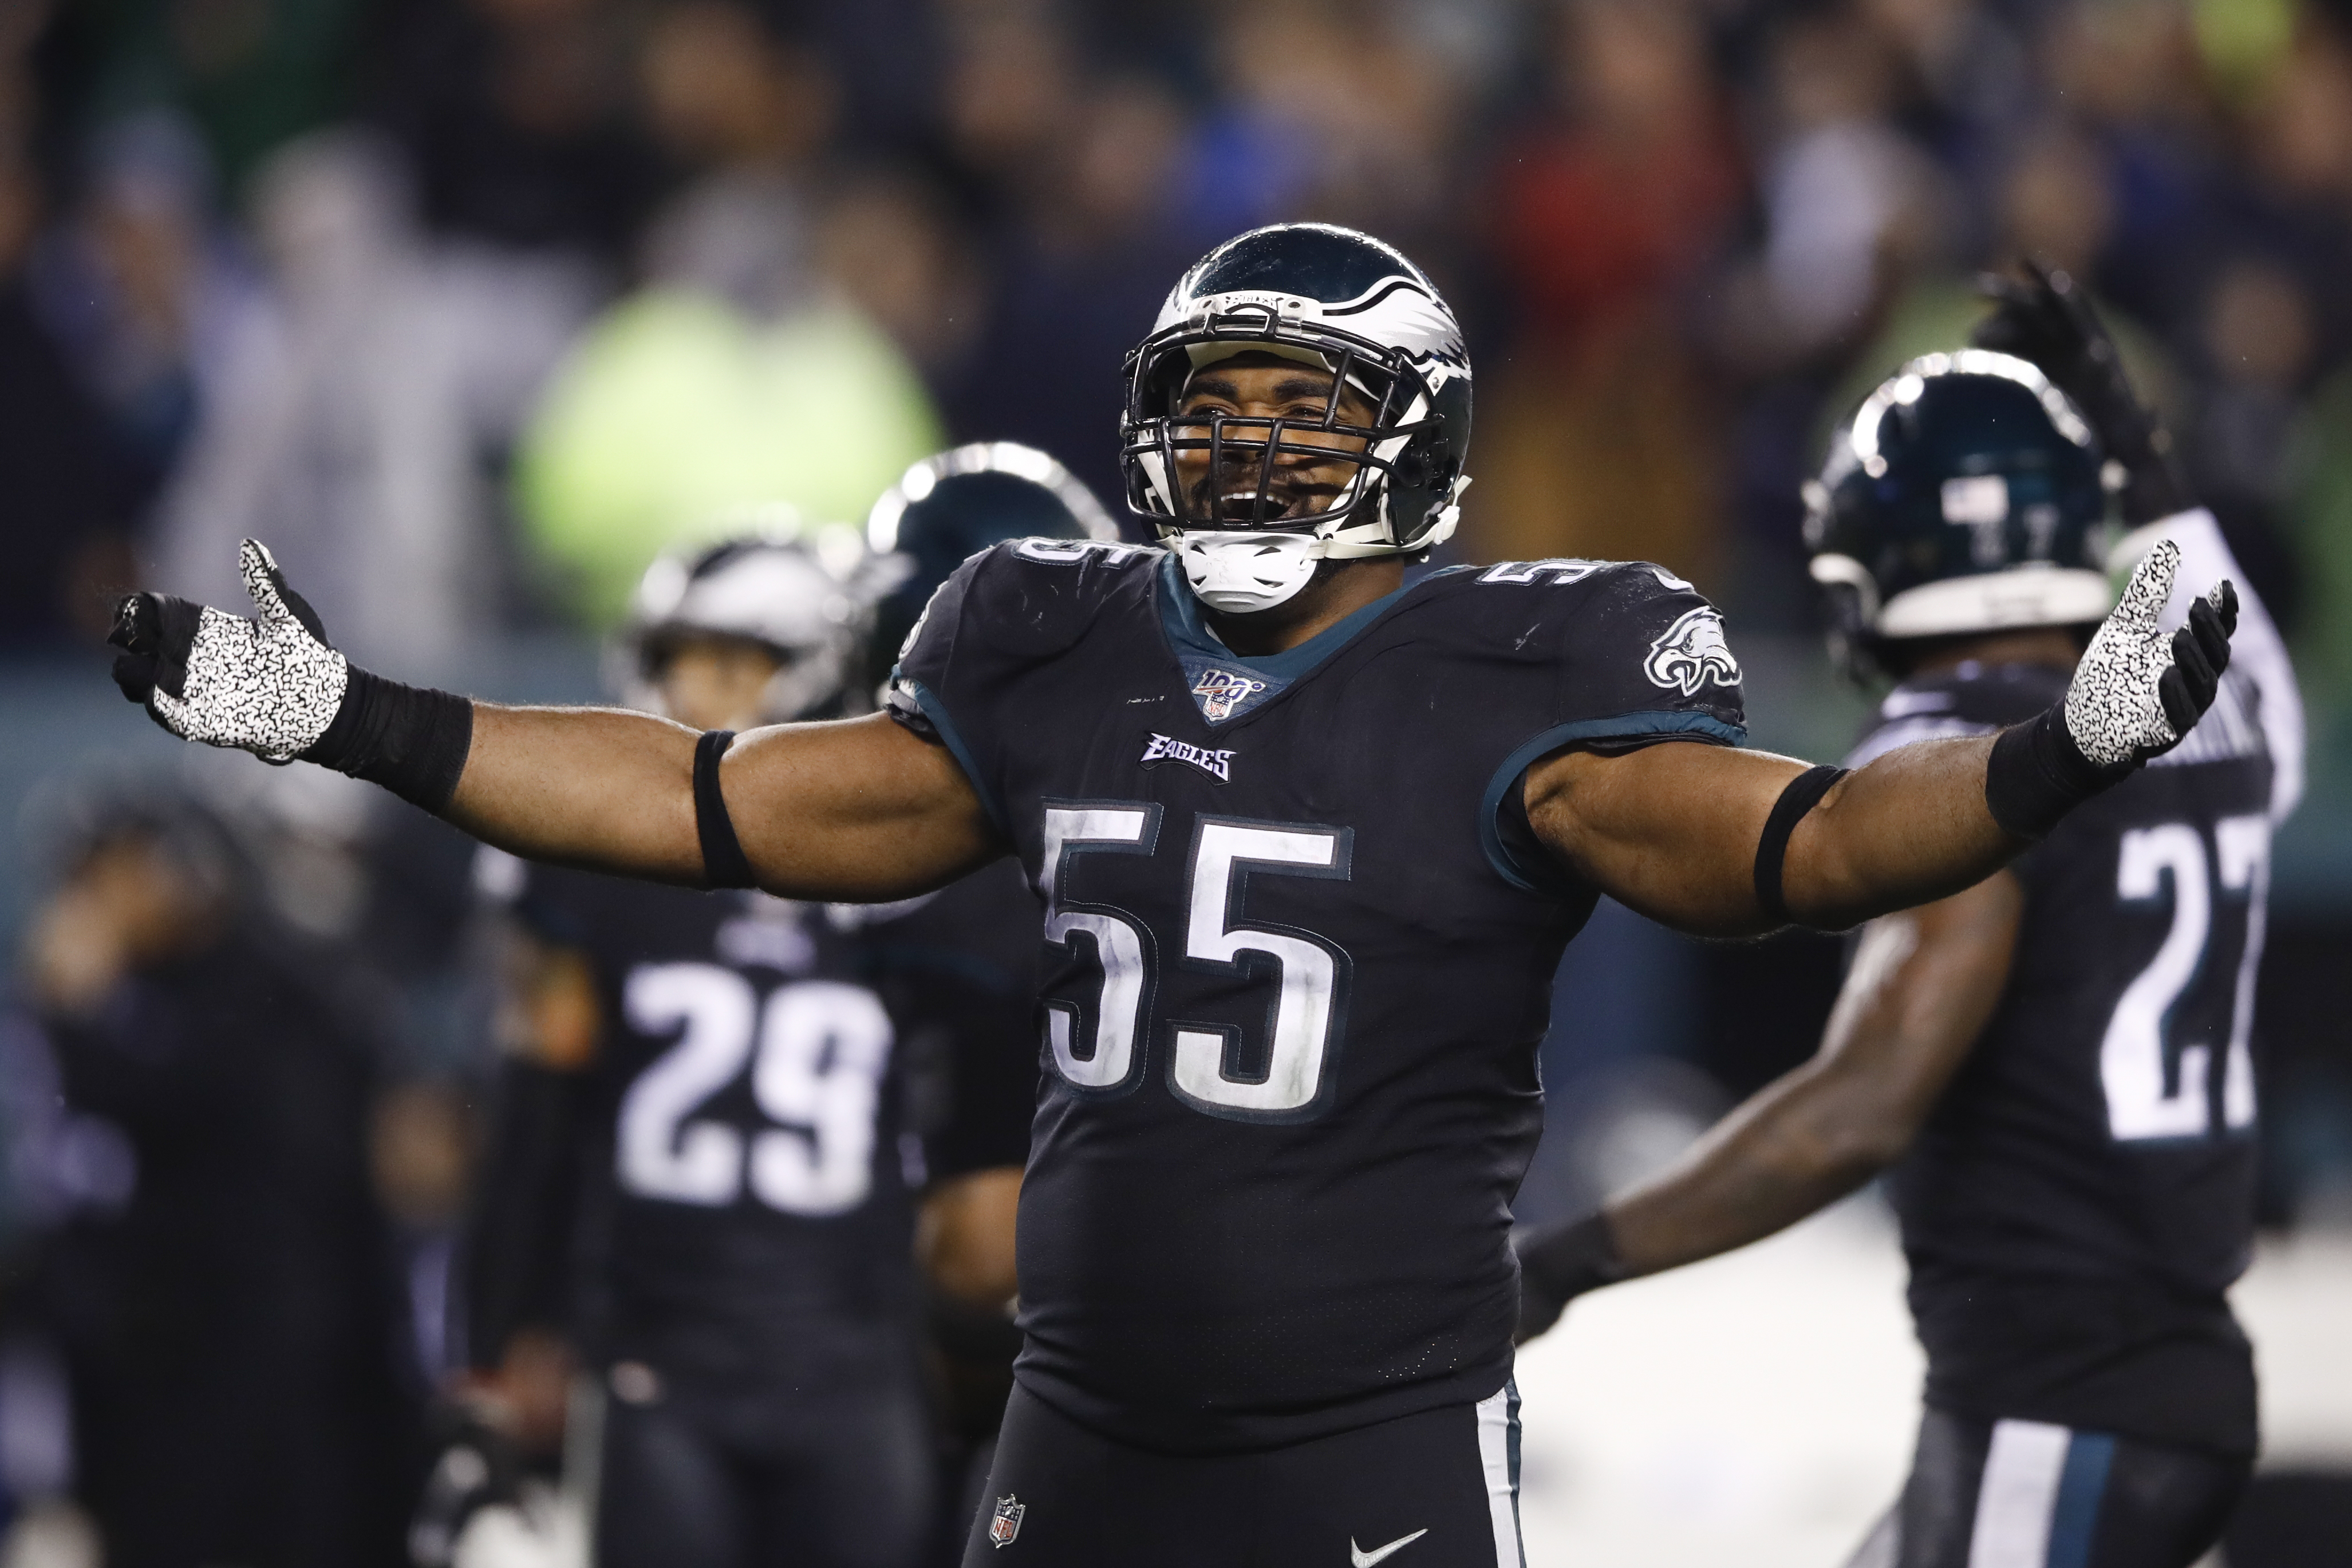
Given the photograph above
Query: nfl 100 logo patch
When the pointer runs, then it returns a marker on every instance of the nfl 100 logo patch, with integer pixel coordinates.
(1004, 1524)
(1223, 691)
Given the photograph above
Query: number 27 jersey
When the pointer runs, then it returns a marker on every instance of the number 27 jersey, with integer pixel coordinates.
(1299, 947)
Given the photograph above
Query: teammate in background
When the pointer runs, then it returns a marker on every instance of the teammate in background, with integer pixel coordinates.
(959, 969)
(2056, 1064)
(1310, 844)
(699, 1177)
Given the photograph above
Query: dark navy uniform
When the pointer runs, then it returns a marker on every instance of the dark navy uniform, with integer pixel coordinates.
(743, 1245)
(2083, 1194)
(1299, 950)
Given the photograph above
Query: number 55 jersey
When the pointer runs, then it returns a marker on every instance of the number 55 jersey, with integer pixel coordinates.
(1299, 946)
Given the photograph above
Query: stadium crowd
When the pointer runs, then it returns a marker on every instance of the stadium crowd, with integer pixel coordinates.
(491, 299)
(472, 308)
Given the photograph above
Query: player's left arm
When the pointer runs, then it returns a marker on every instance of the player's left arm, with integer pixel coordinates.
(1923, 984)
(1724, 842)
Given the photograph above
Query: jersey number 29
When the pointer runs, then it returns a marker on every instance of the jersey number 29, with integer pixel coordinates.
(822, 1048)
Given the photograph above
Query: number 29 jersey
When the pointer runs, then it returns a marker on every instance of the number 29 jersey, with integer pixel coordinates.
(1299, 946)
(747, 1213)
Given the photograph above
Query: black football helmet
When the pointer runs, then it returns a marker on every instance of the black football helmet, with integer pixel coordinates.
(950, 506)
(1966, 495)
(1331, 298)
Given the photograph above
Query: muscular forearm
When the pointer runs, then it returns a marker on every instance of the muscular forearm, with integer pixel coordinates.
(1922, 986)
(1911, 827)
(1796, 1148)
(592, 787)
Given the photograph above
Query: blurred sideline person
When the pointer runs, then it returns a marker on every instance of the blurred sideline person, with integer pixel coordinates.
(223, 1292)
(738, 371)
(2057, 1064)
(1311, 842)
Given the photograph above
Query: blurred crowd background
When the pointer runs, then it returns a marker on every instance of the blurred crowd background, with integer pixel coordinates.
(469, 306)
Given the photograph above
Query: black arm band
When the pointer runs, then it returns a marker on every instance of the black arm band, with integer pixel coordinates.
(1803, 793)
(412, 740)
(2037, 774)
(723, 862)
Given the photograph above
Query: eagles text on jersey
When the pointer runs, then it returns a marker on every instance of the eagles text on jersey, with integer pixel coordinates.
(1299, 950)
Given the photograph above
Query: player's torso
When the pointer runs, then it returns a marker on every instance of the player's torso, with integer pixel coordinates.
(2103, 1127)
(1290, 1002)
(752, 1188)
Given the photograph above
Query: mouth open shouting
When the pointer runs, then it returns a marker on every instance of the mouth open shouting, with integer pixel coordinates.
(1260, 440)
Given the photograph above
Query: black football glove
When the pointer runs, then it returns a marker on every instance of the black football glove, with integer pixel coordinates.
(1559, 1263)
(2046, 319)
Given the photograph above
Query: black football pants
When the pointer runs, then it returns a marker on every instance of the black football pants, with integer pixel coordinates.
(1439, 1489)
(760, 1476)
(2026, 1494)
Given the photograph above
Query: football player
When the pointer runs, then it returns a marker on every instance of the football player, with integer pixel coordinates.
(1310, 843)
(695, 1175)
(2057, 1062)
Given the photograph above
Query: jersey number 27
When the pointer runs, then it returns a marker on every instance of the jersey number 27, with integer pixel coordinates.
(2132, 1055)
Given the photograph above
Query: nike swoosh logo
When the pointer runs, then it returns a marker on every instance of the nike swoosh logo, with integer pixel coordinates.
(1363, 1559)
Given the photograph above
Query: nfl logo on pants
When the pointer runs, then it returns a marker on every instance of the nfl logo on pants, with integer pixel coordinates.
(1006, 1524)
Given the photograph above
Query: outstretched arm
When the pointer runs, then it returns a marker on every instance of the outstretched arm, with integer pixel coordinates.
(1701, 838)
(1923, 984)
(858, 810)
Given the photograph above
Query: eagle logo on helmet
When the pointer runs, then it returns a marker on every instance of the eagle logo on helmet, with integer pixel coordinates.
(1692, 652)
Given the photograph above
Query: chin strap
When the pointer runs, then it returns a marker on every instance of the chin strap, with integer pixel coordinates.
(1243, 571)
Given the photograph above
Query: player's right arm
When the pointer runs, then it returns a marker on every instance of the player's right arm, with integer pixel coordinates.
(857, 809)
(1923, 984)
(851, 810)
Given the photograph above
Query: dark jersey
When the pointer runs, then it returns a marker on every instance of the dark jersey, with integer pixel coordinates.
(747, 1202)
(958, 971)
(2083, 1192)
(1298, 953)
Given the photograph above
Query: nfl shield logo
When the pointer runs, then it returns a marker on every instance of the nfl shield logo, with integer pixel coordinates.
(1007, 1523)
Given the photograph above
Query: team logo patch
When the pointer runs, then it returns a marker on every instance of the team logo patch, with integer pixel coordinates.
(1218, 765)
(1222, 691)
(1691, 653)
(1006, 1522)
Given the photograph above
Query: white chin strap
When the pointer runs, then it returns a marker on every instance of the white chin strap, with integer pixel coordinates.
(1240, 573)
(1252, 570)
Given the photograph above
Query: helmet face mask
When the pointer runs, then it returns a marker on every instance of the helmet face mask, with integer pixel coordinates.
(1394, 413)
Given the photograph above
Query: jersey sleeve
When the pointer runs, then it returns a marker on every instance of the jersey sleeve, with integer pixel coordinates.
(1633, 656)
(1004, 611)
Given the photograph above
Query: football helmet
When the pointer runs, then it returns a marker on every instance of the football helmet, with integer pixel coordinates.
(1966, 495)
(805, 592)
(1326, 297)
(955, 503)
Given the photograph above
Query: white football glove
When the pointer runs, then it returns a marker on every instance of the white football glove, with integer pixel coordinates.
(2136, 691)
(270, 685)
